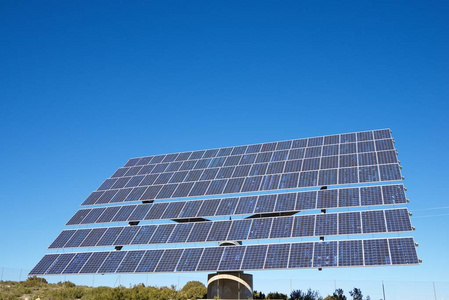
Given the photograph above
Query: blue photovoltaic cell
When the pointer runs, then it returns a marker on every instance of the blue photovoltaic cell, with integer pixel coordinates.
(301, 255)
(189, 259)
(277, 256)
(325, 254)
(77, 263)
(376, 252)
(93, 215)
(61, 263)
(326, 224)
(62, 239)
(144, 235)
(232, 258)
(227, 206)
(282, 227)
(386, 144)
(110, 236)
(371, 195)
(130, 261)
(303, 226)
(239, 230)
(390, 172)
(209, 207)
(77, 238)
(140, 212)
(308, 179)
(265, 203)
(180, 233)
(367, 159)
(108, 214)
(149, 261)
(387, 157)
(173, 210)
(162, 233)
(112, 262)
(156, 211)
(328, 177)
(94, 262)
(285, 202)
(93, 237)
(327, 199)
(127, 235)
(78, 216)
(121, 195)
(123, 213)
(169, 260)
(398, 220)
(260, 228)
(348, 175)
(350, 253)
(246, 205)
(368, 174)
(190, 209)
(210, 259)
(349, 197)
(306, 200)
(219, 231)
(403, 251)
(43, 265)
(393, 194)
(254, 257)
(349, 223)
(373, 221)
(199, 232)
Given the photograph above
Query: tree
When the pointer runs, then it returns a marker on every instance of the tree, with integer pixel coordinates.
(258, 295)
(194, 290)
(356, 294)
(339, 295)
(310, 295)
(276, 295)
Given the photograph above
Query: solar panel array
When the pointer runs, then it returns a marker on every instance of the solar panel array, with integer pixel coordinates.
(287, 202)
(370, 252)
(346, 223)
(340, 159)
(246, 173)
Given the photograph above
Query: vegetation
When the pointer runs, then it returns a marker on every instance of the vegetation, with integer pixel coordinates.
(34, 288)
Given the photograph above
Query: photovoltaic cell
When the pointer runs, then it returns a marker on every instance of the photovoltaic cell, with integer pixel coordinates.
(325, 254)
(189, 259)
(149, 261)
(376, 252)
(350, 253)
(169, 260)
(232, 258)
(403, 251)
(301, 255)
(277, 256)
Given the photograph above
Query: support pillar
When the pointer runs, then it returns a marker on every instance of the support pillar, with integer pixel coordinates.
(230, 285)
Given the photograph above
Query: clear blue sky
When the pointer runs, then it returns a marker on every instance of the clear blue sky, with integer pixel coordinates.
(86, 85)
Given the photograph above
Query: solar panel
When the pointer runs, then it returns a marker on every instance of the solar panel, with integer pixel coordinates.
(310, 165)
(298, 201)
(344, 159)
(370, 252)
(343, 223)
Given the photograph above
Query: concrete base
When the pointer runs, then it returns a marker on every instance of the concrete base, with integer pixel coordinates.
(232, 285)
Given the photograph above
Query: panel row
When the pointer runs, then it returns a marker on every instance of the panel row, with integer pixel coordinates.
(361, 139)
(331, 198)
(307, 159)
(347, 223)
(372, 252)
(152, 190)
